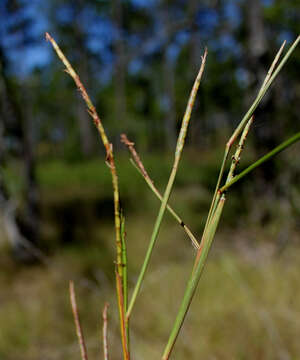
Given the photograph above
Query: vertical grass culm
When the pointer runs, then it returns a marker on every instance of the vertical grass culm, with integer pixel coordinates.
(120, 267)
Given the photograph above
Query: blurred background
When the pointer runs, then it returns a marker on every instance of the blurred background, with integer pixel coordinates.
(138, 60)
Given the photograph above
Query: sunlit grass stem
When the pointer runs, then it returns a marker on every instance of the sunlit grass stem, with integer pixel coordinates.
(124, 277)
(217, 208)
(81, 341)
(137, 163)
(259, 162)
(178, 152)
(236, 157)
(270, 77)
(104, 332)
(111, 163)
(193, 282)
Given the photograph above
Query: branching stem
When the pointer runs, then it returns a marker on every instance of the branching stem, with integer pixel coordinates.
(137, 163)
(178, 152)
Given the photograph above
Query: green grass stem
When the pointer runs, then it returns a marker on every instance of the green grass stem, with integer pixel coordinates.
(218, 201)
(270, 77)
(151, 185)
(178, 152)
(137, 163)
(111, 163)
(264, 88)
(272, 67)
(236, 157)
(104, 331)
(263, 159)
(125, 275)
(193, 281)
(234, 162)
(124, 262)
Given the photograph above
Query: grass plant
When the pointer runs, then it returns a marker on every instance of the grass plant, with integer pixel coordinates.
(214, 215)
(105, 341)
(79, 332)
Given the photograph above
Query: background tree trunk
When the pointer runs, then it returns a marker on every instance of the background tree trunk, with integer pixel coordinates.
(197, 125)
(120, 66)
(168, 70)
(84, 121)
(14, 115)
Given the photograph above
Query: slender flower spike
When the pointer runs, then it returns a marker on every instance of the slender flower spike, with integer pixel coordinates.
(80, 336)
(104, 331)
(137, 162)
(167, 193)
(111, 163)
